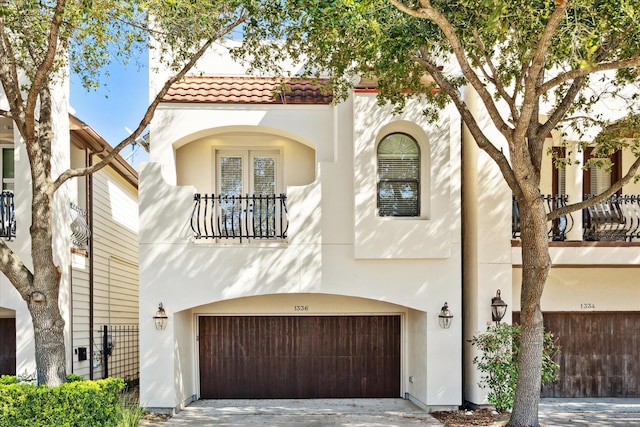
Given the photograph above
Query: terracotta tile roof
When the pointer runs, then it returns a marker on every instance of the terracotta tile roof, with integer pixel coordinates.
(245, 90)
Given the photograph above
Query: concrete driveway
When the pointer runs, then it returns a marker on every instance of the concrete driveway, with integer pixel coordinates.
(384, 412)
(302, 412)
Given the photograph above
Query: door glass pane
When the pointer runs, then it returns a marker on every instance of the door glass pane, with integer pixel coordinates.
(230, 215)
(231, 176)
(264, 175)
(264, 184)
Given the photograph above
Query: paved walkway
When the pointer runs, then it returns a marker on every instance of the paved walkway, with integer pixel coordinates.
(384, 413)
(302, 413)
(603, 412)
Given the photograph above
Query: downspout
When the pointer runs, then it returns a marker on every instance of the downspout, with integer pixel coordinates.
(89, 198)
(71, 310)
(463, 254)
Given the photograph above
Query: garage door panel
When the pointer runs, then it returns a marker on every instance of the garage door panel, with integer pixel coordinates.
(299, 356)
(599, 354)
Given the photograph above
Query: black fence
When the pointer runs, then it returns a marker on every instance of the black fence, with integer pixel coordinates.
(120, 352)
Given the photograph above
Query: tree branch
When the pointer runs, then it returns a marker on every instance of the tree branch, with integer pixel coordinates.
(467, 117)
(495, 77)
(10, 80)
(428, 12)
(537, 65)
(563, 107)
(573, 74)
(70, 173)
(12, 267)
(43, 70)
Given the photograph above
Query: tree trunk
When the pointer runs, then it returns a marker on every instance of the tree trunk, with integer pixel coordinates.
(535, 268)
(48, 324)
(48, 329)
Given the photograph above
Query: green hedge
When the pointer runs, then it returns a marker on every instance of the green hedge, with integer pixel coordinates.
(78, 403)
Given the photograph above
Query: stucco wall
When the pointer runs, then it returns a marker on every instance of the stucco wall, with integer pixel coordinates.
(586, 289)
(318, 256)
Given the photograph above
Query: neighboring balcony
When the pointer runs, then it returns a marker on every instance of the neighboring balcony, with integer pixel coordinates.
(240, 218)
(7, 216)
(614, 219)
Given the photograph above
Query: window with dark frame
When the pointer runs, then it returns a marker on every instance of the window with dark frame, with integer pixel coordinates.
(398, 192)
(597, 180)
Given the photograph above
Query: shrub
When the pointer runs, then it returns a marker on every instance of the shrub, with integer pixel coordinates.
(71, 378)
(78, 403)
(498, 362)
(129, 414)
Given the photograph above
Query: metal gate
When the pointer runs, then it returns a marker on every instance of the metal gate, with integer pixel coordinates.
(120, 352)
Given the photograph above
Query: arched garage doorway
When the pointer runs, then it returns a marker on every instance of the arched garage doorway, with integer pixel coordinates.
(334, 347)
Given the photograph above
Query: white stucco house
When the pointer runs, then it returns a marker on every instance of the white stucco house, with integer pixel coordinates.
(301, 249)
(285, 264)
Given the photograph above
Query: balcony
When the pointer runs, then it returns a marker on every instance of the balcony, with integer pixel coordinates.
(7, 216)
(240, 218)
(614, 219)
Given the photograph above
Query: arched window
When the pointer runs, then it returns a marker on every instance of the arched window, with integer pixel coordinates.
(398, 176)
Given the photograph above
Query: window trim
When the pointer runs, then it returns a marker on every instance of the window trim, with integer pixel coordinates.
(418, 181)
(4, 180)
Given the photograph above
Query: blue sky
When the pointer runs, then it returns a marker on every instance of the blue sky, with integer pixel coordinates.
(119, 103)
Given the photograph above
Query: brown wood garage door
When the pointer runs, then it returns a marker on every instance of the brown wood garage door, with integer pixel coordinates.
(7, 346)
(600, 354)
(299, 356)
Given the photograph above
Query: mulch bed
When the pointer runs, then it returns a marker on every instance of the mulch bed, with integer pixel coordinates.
(478, 417)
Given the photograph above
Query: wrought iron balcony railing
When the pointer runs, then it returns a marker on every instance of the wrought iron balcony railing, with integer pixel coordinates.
(558, 227)
(7, 215)
(615, 219)
(258, 216)
(80, 231)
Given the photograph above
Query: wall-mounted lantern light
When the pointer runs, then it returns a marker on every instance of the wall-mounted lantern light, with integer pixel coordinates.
(445, 316)
(160, 318)
(498, 308)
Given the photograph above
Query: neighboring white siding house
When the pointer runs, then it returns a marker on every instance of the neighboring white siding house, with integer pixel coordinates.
(337, 298)
(96, 246)
(105, 267)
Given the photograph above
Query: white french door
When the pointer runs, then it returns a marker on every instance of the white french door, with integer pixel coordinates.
(247, 182)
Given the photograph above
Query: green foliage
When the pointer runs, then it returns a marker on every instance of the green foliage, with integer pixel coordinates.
(499, 38)
(498, 362)
(129, 414)
(78, 403)
(8, 379)
(74, 377)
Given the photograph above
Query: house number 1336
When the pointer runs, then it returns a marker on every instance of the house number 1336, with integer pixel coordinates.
(301, 308)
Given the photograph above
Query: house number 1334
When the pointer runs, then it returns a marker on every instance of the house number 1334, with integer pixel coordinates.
(588, 305)
(301, 308)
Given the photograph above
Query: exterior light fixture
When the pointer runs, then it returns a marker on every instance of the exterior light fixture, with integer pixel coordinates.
(498, 308)
(445, 316)
(160, 318)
